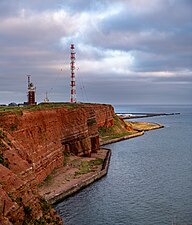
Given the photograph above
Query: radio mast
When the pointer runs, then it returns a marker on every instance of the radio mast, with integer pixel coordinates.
(73, 86)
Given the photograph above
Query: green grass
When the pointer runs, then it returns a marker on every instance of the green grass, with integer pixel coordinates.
(44, 205)
(2, 134)
(13, 127)
(66, 157)
(117, 131)
(52, 105)
(2, 146)
(91, 122)
(84, 168)
(46, 181)
(96, 162)
(4, 137)
(88, 166)
(76, 163)
(19, 110)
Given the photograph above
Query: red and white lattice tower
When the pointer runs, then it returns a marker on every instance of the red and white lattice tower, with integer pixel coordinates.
(73, 86)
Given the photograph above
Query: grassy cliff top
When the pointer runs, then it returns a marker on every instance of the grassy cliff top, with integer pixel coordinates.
(43, 106)
(36, 107)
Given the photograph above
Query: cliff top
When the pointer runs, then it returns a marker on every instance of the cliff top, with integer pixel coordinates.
(44, 106)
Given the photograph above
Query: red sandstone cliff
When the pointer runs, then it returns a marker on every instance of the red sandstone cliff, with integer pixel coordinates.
(33, 144)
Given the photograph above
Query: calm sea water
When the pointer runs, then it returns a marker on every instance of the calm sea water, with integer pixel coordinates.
(149, 181)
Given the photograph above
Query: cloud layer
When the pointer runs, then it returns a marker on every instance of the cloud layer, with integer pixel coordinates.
(128, 51)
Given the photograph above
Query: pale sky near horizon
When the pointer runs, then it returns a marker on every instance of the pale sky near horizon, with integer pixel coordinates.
(127, 51)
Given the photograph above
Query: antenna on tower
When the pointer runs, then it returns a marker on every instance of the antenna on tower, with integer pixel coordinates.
(73, 86)
(46, 98)
(29, 81)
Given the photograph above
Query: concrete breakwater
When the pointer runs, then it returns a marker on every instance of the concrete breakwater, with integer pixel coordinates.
(143, 115)
(80, 183)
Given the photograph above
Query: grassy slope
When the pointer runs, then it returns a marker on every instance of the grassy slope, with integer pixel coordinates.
(118, 130)
(124, 128)
(18, 110)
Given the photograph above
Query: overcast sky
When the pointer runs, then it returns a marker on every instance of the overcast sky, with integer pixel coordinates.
(127, 51)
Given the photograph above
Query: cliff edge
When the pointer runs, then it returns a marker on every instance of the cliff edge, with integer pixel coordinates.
(33, 142)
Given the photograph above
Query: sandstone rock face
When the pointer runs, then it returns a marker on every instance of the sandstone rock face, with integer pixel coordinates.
(34, 143)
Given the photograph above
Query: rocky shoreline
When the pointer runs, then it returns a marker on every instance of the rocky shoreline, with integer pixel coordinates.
(121, 138)
(59, 190)
(63, 188)
(54, 151)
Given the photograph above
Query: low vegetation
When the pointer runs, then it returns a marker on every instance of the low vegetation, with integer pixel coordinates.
(4, 137)
(118, 130)
(124, 128)
(46, 207)
(48, 179)
(4, 145)
(66, 157)
(3, 161)
(84, 168)
(19, 110)
(89, 166)
(142, 126)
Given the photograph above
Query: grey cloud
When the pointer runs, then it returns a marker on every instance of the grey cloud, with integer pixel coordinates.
(138, 92)
(166, 18)
(159, 40)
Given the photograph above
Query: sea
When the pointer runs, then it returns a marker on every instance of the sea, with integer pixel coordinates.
(149, 181)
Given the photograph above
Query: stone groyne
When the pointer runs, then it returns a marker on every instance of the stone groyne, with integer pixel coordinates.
(82, 182)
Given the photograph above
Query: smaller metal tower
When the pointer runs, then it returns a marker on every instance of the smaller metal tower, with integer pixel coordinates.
(73, 86)
(31, 92)
(46, 100)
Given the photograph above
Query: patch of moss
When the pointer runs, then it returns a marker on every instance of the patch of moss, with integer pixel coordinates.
(9, 142)
(48, 179)
(76, 163)
(19, 201)
(4, 161)
(28, 215)
(88, 166)
(2, 134)
(84, 168)
(40, 221)
(2, 145)
(91, 122)
(4, 137)
(27, 210)
(66, 157)
(96, 162)
(13, 127)
(44, 205)
(10, 196)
